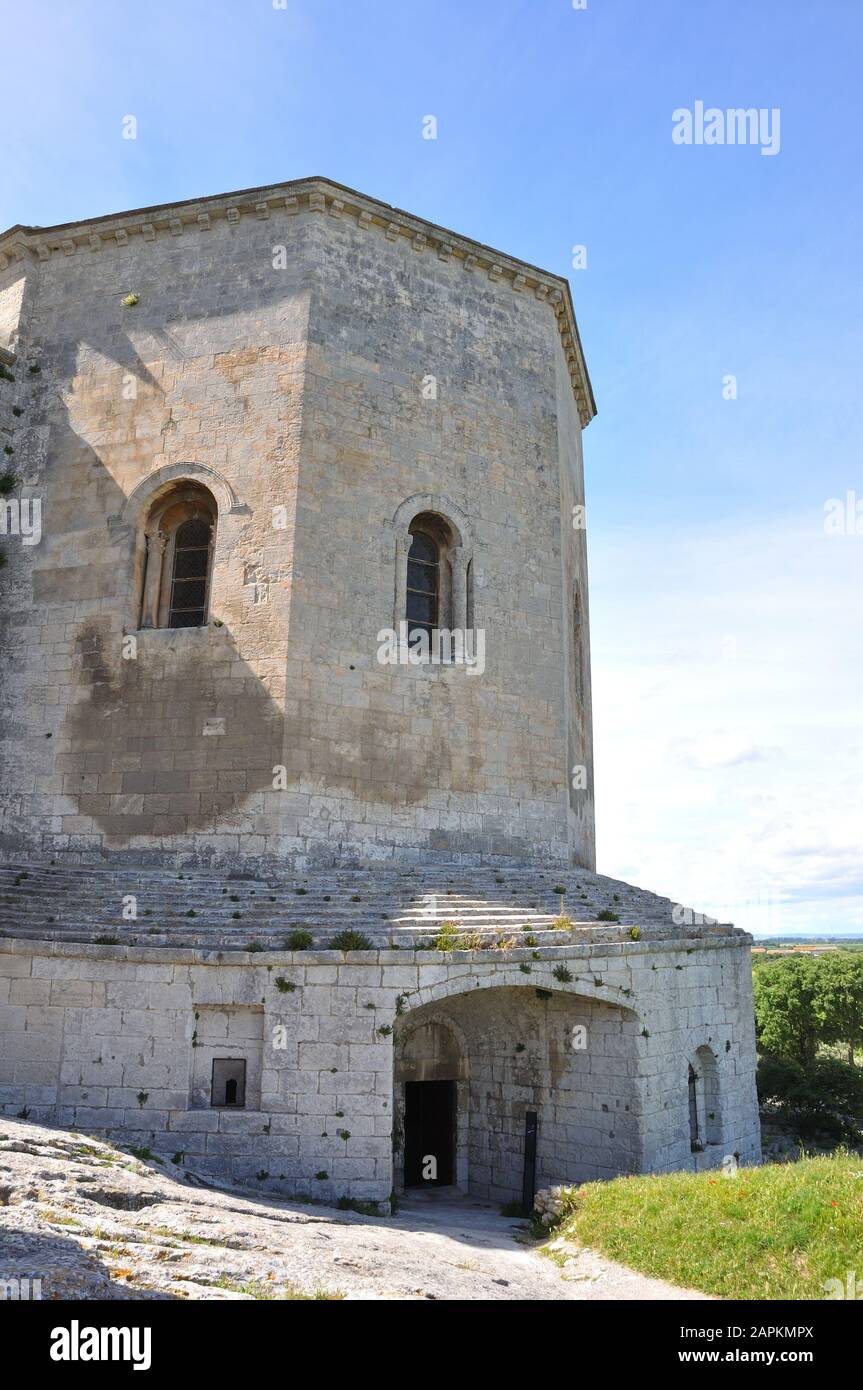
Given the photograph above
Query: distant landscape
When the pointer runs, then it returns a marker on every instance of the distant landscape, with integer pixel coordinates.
(805, 944)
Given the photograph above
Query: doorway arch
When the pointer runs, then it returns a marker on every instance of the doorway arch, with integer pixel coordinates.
(518, 1051)
(430, 1103)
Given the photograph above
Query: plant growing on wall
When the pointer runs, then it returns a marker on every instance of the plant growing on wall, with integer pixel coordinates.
(299, 940)
(350, 941)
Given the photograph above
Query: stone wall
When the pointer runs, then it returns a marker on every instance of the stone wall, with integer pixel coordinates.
(433, 759)
(280, 353)
(105, 749)
(107, 1040)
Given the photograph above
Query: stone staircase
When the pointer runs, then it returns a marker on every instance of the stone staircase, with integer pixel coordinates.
(210, 909)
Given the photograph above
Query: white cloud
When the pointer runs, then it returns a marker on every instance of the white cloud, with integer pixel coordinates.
(728, 671)
(717, 748)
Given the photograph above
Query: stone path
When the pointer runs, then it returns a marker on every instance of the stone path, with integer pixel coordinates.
(91, 1221)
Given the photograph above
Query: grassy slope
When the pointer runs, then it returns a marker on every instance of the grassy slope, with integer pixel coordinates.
(778, 1231)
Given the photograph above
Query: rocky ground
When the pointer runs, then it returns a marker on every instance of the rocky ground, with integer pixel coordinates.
(92, 1221)
(781, 1141)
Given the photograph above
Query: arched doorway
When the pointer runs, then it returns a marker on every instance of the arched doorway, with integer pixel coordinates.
(521, 1066)
(431, 1099)
(430, 1118)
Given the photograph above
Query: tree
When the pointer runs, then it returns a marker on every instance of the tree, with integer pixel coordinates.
(840, 1000)
(787, 1009)
(802, 1002)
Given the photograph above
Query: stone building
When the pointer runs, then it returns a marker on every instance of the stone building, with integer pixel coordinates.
(263, 449)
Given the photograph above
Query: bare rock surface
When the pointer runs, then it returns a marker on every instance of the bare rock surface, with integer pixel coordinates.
(92, 1221)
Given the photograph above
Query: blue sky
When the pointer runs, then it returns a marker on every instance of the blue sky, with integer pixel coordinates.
(726, 623)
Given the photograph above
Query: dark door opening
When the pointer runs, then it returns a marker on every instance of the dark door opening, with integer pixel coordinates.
(429, 1133)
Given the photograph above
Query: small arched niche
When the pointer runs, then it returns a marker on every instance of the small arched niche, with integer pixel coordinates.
(705, 1099)
(179, 538)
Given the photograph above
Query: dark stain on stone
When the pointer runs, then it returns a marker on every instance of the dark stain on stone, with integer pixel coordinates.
(139, 762)
(377, 757)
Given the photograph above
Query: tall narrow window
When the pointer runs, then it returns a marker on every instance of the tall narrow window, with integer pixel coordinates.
(423, 592)
(707, 1072)
(188, 606)
(577, 644)
(469, 609)
(694, 1140)
(229, 1082)
(179, 535)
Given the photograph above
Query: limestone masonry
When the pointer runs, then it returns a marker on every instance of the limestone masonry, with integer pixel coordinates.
(261, 450)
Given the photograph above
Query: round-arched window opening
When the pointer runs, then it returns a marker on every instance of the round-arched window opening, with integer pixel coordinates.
(180, 535)
(428, 578)
(423, 595)
(191, 571)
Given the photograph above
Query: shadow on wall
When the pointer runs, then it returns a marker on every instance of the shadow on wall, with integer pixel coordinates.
(374, 758)
(170, 740)
(128, 748)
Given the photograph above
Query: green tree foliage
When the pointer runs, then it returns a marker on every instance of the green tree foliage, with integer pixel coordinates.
(786, 1018)
(841, 982)
(802, 1002)
(826, 1097)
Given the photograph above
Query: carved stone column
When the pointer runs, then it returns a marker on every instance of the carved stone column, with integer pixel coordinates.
(458, 559)
(156, 543)
(403, 545)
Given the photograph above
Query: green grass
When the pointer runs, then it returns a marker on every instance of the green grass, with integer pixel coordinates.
(277, 1292)
(775, 1232)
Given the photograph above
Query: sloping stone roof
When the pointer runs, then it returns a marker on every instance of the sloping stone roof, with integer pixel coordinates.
(213, 909)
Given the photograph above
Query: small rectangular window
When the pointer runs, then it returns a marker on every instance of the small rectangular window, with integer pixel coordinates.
(229, 1082)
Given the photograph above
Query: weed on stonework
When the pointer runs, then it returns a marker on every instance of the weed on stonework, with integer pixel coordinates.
(350, 941)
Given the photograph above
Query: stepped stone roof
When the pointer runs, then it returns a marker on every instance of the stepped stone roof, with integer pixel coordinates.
(230, 911)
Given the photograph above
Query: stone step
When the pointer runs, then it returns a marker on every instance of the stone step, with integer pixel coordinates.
(386, 903)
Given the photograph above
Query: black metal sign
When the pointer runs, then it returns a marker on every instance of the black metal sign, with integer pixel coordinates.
(529, 1184)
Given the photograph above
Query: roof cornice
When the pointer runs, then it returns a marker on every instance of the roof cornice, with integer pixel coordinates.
(331, 199)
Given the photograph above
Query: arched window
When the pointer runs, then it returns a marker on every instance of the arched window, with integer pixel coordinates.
(709, 1095)
(429, 590)
(705, 1100)
(433, 573)
(180, 534)
(694, 1141)
(423, 591)
(190, 574)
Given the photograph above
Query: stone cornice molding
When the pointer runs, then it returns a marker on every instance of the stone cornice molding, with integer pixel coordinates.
(313, 195)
